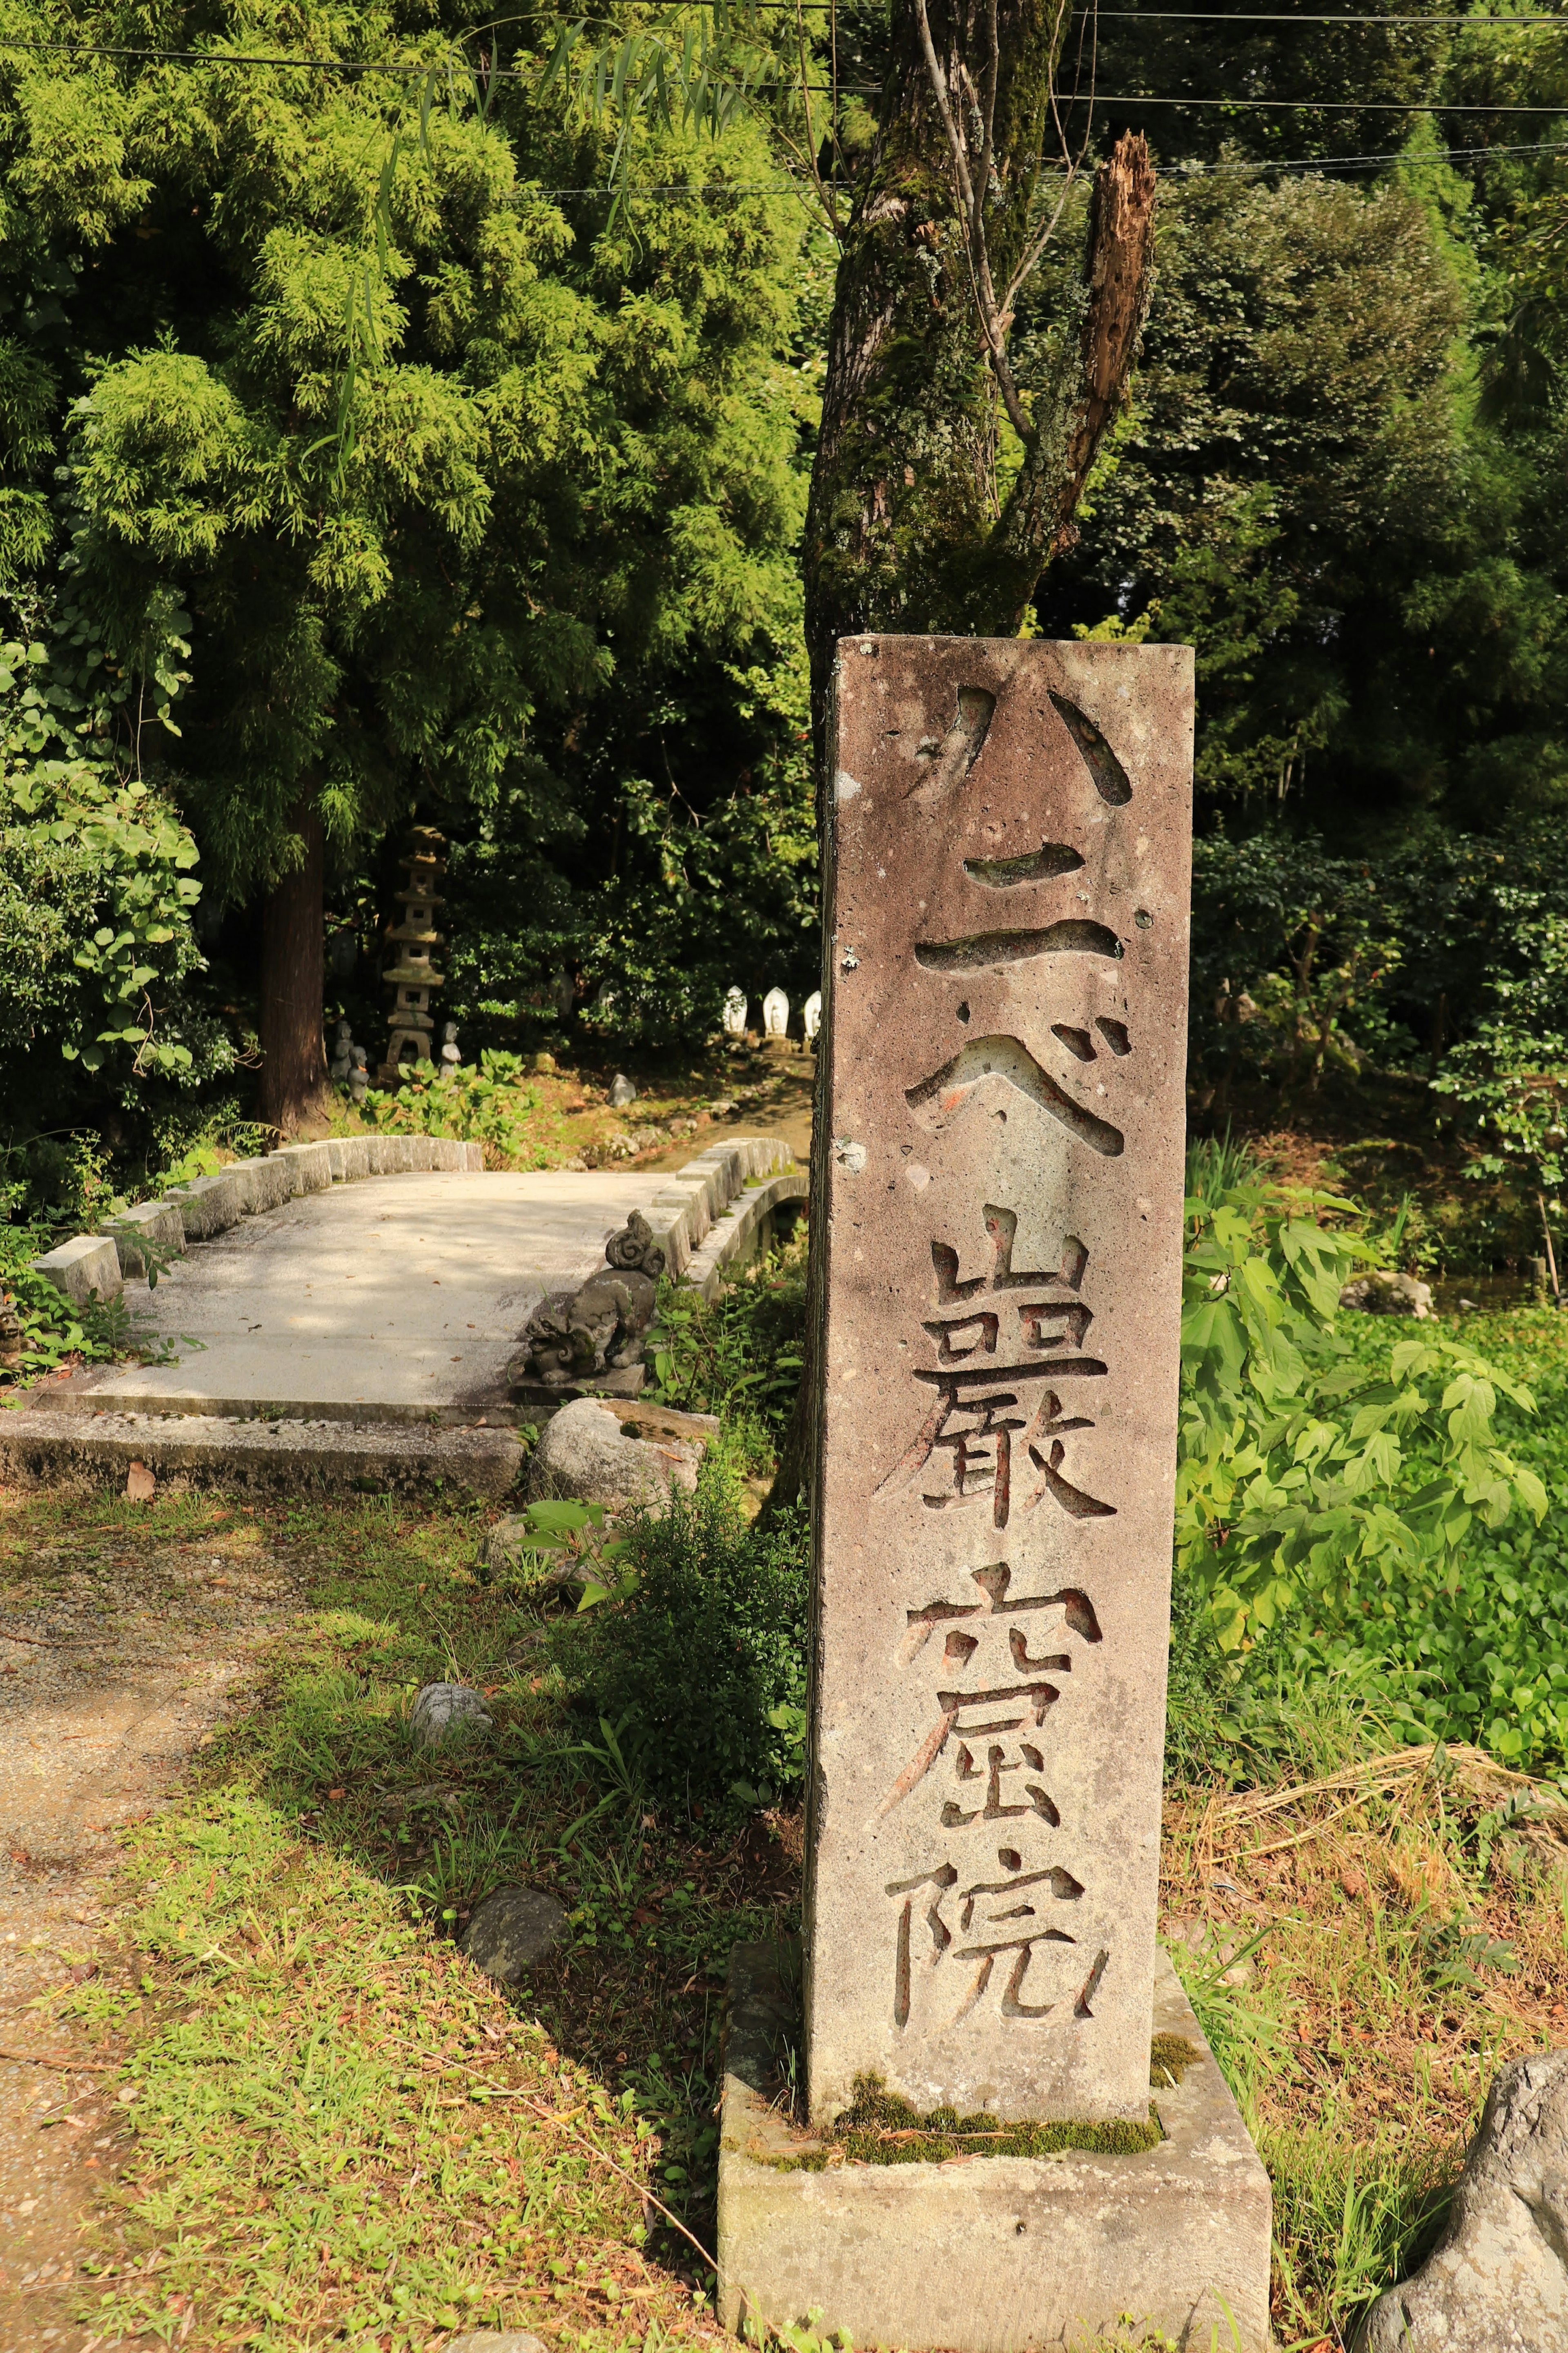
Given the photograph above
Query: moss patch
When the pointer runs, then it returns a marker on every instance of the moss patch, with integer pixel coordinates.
(878, 2127)
(1170, 2056)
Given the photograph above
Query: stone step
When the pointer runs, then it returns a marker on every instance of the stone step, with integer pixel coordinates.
(40, 1445)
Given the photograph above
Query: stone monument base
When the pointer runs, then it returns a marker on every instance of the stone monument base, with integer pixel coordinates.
(988, 2254)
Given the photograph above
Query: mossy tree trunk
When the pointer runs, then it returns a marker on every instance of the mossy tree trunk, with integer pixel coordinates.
(293, 1044)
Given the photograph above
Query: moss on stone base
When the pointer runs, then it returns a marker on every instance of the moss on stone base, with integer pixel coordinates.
(880, 2128)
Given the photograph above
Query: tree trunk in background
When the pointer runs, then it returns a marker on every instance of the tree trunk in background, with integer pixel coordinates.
(294, 1057)
(907, 528)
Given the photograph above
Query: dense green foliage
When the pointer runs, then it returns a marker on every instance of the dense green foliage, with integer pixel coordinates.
(699, 1674)
(1369, 1511)
(353, 461)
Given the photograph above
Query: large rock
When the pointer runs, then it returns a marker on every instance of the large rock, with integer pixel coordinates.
(1497, 2281)
(1388, 1295)
(513, 1928)
(585, 1456)
(442, 1710)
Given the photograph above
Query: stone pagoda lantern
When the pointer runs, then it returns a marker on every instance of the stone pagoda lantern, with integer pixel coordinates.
(413, 942)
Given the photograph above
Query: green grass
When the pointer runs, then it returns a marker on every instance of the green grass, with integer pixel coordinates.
(307, 2045)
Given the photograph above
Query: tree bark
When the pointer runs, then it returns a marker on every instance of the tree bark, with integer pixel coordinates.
(905, 528)
(293, 1050)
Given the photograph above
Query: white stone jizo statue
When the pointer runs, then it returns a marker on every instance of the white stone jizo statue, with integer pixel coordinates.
(811, 1015)
(451, 1053)
(734, 1013)
(775, 1013)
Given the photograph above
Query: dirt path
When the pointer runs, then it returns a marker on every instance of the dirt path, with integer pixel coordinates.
(112, 1668)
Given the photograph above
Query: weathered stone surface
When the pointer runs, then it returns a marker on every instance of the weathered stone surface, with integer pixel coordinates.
(310, 1167)
(84, 1268)
(210, 1205)
(162, 1224)
(349, 1157)
(398, 1297)
(46, 1443)
(1001, 1190)
(1388, 1295)
(496, 2340)
(513, 1928)
(997, 2254)
(1497, 2281)
(261, 1185)
(571, 1337)
(622, 1091)
(445, 1711)
(583, 1456)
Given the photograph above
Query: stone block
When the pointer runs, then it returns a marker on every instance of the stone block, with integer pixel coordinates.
(989, 2255)
(474, 1159)
(1004, 1102)
(164, 1227)
(691, 1202)
(210, 1205)
(261, 1184)
(310, 1167)
(349, 1156)
(84, 1268)
(421, 1153)
(447, 1153)
(670, 1230)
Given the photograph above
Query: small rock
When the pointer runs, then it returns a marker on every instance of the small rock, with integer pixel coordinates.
(721, 1109)
(442, 1709)
(584, 1457)
(544, 1064)
(139, 1485)
(1388, 1295)
(496, 2340)
(622, 1091)
(512, 1928)
(1497, 2280)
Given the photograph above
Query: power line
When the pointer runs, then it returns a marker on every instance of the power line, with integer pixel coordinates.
(1324, 105)
(224, 58)
(667, 189)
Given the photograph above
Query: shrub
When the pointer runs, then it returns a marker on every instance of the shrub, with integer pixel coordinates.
(701, 1667)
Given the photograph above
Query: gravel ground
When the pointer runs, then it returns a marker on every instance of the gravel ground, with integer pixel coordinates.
(119, 1648)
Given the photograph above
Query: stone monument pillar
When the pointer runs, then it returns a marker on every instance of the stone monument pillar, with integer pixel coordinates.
(1000, 1158)
(414, 940)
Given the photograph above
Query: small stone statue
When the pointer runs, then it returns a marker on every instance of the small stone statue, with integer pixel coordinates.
(775, 1013)
(449, 1051)
(599, 1330)
(811, 1016)
(342, 1052)
(359, 1073)
(634, 1246)
(734, 1014)
(622, 1091)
